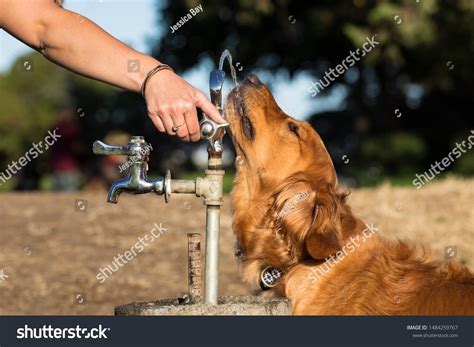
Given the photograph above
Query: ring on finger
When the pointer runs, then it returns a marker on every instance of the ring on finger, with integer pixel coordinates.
(176, 127)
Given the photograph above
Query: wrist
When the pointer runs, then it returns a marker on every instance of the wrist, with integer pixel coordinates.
(145, 65)
(152, 73)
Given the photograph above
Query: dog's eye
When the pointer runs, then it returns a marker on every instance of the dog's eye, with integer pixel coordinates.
(293, 128)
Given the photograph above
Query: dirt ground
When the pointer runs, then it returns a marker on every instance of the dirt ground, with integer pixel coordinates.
(52, 246)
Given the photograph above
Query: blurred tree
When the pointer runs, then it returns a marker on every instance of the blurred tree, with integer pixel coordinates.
(405, 102)
(34, 90)
(422, 67)
(31, 94)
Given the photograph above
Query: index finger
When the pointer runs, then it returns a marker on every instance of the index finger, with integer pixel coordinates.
(208, 108)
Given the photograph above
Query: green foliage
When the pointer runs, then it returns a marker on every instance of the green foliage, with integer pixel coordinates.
(30, 100)
(465, 165)
(261, 35)
(429, 35)
(427, 44)
(392, 157)
(400, 149)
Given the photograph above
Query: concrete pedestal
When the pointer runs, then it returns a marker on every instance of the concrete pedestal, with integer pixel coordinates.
(228, 306)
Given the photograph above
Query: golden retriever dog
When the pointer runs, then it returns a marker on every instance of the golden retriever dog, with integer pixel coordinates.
(297, 237)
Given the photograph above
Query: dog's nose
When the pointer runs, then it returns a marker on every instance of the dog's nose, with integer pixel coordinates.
(253, 79)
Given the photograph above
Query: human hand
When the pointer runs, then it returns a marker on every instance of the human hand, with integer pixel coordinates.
(171, 102)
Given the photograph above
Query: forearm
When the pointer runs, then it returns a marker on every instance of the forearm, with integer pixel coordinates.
(75, 42)
(81, 46)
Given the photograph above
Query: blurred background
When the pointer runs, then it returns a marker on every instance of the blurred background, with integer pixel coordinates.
(399, 109)
(396, 111)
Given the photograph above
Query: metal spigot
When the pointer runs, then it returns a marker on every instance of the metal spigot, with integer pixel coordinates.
(210, 130)
(136, 181)
(216, 82)
(209, 188)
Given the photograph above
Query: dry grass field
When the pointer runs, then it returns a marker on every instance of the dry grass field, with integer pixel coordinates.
(51, 250)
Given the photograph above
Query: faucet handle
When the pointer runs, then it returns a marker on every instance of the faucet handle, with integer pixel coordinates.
(213, 132)
(210, 129)
(135, 145)
(102, 148)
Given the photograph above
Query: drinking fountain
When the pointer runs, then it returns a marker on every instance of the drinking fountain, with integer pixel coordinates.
(210, 189)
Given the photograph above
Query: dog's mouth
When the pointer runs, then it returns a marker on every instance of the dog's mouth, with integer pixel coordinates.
(239, 113)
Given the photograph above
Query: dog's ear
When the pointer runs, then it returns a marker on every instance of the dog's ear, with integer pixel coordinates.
(307, 213)
(325, 236)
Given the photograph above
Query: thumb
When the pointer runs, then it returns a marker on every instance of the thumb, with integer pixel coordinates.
(208, 108)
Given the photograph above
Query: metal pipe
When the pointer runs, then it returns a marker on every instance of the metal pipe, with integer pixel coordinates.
(212, 253)
(210, 188)
(183, 186)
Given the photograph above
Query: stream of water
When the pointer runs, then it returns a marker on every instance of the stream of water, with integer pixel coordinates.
(224, 55)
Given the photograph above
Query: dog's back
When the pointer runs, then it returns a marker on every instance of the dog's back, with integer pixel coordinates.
(381, 277)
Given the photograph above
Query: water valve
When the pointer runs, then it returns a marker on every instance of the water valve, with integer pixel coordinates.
(136, 181)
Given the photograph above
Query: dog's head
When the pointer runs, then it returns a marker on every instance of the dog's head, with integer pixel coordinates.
(285, 199)
(268, 141)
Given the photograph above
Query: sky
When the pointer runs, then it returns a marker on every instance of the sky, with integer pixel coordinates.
(141, 18)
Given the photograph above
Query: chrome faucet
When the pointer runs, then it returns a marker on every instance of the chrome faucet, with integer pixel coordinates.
(136, 181)
(209, 187)
(210, 130)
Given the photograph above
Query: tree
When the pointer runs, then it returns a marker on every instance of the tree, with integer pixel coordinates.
(422, 66)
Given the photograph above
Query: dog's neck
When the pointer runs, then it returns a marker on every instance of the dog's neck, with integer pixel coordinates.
(353, 233)
(252, 227)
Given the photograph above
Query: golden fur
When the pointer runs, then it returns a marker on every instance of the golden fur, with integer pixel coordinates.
(289, 214)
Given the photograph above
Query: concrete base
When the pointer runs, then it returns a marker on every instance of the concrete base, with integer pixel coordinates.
(228, 306)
